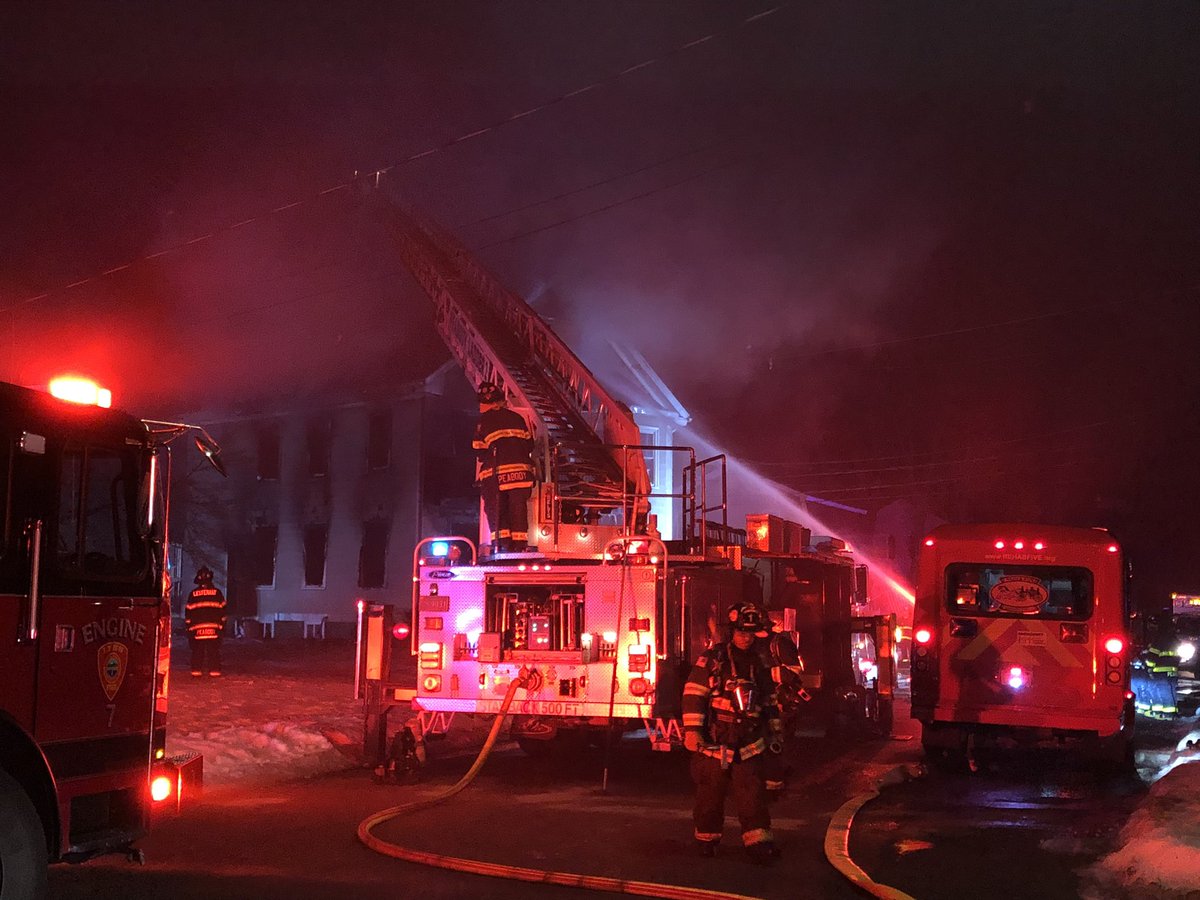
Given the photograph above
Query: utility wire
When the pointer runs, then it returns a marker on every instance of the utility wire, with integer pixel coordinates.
(445, 145)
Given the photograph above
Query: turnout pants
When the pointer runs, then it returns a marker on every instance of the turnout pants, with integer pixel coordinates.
(745, 780)
(206, 655)
(507, 514)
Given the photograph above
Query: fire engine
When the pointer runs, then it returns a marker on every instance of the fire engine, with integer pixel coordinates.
(603, 612)
(1020, 637)
(84, 630)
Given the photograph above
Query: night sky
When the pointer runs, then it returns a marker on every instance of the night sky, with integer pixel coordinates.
(943, 252)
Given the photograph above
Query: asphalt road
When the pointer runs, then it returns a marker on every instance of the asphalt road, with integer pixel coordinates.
(298, 840)
(1022, 828)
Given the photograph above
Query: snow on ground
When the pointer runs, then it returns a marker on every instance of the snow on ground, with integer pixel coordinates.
(265, 721)
(1158, 855)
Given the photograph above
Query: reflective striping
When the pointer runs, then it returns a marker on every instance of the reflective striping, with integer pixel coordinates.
(695, 690)
(757, 836)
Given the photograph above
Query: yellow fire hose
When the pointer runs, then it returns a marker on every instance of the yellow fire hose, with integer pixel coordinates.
(837, 841)
(517, 873)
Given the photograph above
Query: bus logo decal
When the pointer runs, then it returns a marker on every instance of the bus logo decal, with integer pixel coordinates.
(112, 659)
(1019, 593)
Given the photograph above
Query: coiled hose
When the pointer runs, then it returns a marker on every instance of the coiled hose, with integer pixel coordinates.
(516, 873)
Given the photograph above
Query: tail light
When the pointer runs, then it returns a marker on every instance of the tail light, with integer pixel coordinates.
(430, 655)
(1015, 677)
(432, 683)
(639, 658)
(1114, 663)
(923, 635)
(639, 687)
(161, 788)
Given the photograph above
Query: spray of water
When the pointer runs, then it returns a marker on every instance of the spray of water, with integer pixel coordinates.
(757, 493)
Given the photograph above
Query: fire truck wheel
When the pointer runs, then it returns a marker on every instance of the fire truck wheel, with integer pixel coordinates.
(22, 845)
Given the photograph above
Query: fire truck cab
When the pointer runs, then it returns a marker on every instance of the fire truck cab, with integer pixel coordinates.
(1020, 637)
(84, 634)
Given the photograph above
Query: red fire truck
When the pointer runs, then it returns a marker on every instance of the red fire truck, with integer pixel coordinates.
(1020, 637)
(604, 611)
(84, 631)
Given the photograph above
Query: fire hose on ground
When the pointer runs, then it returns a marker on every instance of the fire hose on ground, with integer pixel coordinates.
(837, 855)
(517, 873)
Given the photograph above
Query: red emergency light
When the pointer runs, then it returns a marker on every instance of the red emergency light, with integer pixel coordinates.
(1114, 645)
(80, 390)
(923, 635)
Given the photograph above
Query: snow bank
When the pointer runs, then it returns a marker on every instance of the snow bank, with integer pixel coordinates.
(270, 751)
(1159, 853)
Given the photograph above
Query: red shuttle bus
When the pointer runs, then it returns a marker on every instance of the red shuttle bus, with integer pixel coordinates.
(1020, 637)
(84, 634)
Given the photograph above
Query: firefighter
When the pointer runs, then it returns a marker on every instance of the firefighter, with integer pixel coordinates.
(1158, 698)
(504, 447)
(727, 709)
(205, 619)
(779, 652)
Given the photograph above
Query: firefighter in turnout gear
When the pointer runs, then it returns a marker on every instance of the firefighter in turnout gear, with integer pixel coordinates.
(729, 718)
(503, 448)
(779, 651)
(1156, 684)
(205, 619)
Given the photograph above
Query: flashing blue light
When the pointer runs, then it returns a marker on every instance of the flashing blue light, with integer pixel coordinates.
(440, 548)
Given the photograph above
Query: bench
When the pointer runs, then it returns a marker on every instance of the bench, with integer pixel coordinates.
(312, 623)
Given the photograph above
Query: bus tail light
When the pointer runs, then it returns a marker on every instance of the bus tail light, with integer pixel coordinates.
(1114, 671)
(1015, 677)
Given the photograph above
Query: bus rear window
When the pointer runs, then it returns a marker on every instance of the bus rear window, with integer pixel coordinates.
(1044, 592)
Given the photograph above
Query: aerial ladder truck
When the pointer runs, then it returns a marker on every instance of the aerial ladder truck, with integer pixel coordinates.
(603, 616)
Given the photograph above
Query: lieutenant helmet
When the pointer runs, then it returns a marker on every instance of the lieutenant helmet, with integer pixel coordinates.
(749, 617)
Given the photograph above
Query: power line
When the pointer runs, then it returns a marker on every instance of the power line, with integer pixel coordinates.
(437, 148)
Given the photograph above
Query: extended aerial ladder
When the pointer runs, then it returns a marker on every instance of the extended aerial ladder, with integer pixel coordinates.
(589, 447)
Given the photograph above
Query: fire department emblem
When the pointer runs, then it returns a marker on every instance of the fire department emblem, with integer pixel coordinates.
(112, 659)
(1019, 593)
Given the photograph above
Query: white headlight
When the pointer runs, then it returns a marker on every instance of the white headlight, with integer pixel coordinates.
(1186, 651)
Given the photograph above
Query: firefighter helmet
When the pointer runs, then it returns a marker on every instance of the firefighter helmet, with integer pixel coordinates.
(489, 393)
(204, 575)
(749, 617)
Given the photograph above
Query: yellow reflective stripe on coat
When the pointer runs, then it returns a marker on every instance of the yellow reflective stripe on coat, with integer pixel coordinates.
(501, 433)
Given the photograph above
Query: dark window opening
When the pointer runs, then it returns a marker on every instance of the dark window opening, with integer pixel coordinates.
(262, 562)
(316, 543)
(268, 452)
(379, 439)
(372, 557)
(318, 448)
